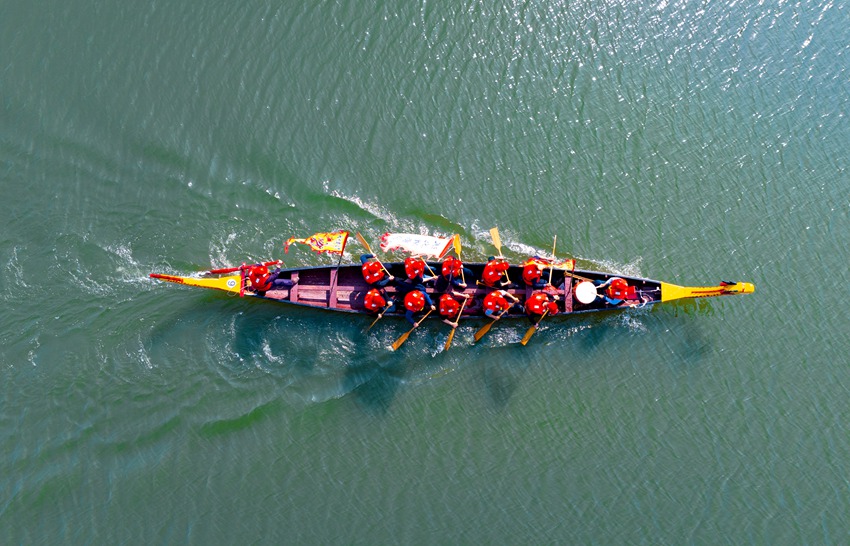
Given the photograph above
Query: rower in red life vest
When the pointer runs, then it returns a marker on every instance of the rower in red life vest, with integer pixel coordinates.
(617, 290)
(414, 303)
(450, 308)
(375, 302)
(453, 275)
(494, 270)
(262, 280)
(496, 303)
(414, 267)
(540, 302)
(373, 271)
(532, 273)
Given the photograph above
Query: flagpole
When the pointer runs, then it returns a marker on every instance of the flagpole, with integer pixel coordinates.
(341, 252)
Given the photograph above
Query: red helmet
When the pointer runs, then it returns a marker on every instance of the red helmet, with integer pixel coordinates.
(531, 272)
(372, 271)
(448, 305)
(618, 289)
(374, 300)
(414, 301)
(414, 267)
(451, 266)
(536, 303)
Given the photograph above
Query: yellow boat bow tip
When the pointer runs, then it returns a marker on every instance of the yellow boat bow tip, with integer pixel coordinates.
(670, 292)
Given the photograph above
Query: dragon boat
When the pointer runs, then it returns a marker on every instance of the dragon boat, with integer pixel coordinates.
(343, 289)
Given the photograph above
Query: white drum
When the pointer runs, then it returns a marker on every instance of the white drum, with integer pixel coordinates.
(585, 292)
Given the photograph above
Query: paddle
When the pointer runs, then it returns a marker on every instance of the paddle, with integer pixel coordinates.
(456, 243)
(552, 265)
(369, 250)
(497, 242)
(380, 316)
(530, 331)
(452, 333)
(486, 328)
(235, 269)
(405, 335)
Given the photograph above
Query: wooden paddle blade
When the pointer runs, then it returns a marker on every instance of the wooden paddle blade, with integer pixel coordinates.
(363, 242)
(497, 241)
(398, 343)
(404, 336)
(530, 331)
(484, 329)
(449, 340)
(528, 334)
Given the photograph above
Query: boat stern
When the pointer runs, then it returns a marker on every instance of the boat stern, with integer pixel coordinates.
(227, 283)
(670, 292)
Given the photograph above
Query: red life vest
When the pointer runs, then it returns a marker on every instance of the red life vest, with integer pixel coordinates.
(537, 303)
(414, 267)
(451, 267)
(493, 272)
(530, 273)
(259, 277)
(374, 301)
(372, 271)
(414, 301)
(620, 290)
(449, 306)
(495, 302)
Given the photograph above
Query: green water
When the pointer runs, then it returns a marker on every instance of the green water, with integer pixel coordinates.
(688, 142)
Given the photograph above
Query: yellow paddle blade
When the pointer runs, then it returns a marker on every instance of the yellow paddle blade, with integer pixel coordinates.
(404, 336)
(398, 343)
(530, 331)
(497, 241)
(484, 329)
(528, 334)
(449, 340)
(456, 243)
(363, 242)
(670, 292)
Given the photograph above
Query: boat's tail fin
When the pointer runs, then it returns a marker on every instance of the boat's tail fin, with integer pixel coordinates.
(228, 283)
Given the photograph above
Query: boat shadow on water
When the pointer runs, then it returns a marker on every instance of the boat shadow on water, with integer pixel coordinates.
(321, 356)
(373, 384)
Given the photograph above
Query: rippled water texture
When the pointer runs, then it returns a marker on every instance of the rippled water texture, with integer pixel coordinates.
(684, 141)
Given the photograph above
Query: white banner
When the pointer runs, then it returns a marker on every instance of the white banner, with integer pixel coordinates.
(421, 245)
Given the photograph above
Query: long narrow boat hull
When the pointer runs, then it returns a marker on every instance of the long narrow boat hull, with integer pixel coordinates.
(343, 289)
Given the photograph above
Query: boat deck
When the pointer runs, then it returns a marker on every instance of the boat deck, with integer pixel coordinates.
(343, 289)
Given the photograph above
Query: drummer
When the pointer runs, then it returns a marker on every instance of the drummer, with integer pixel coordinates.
(617, 290)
